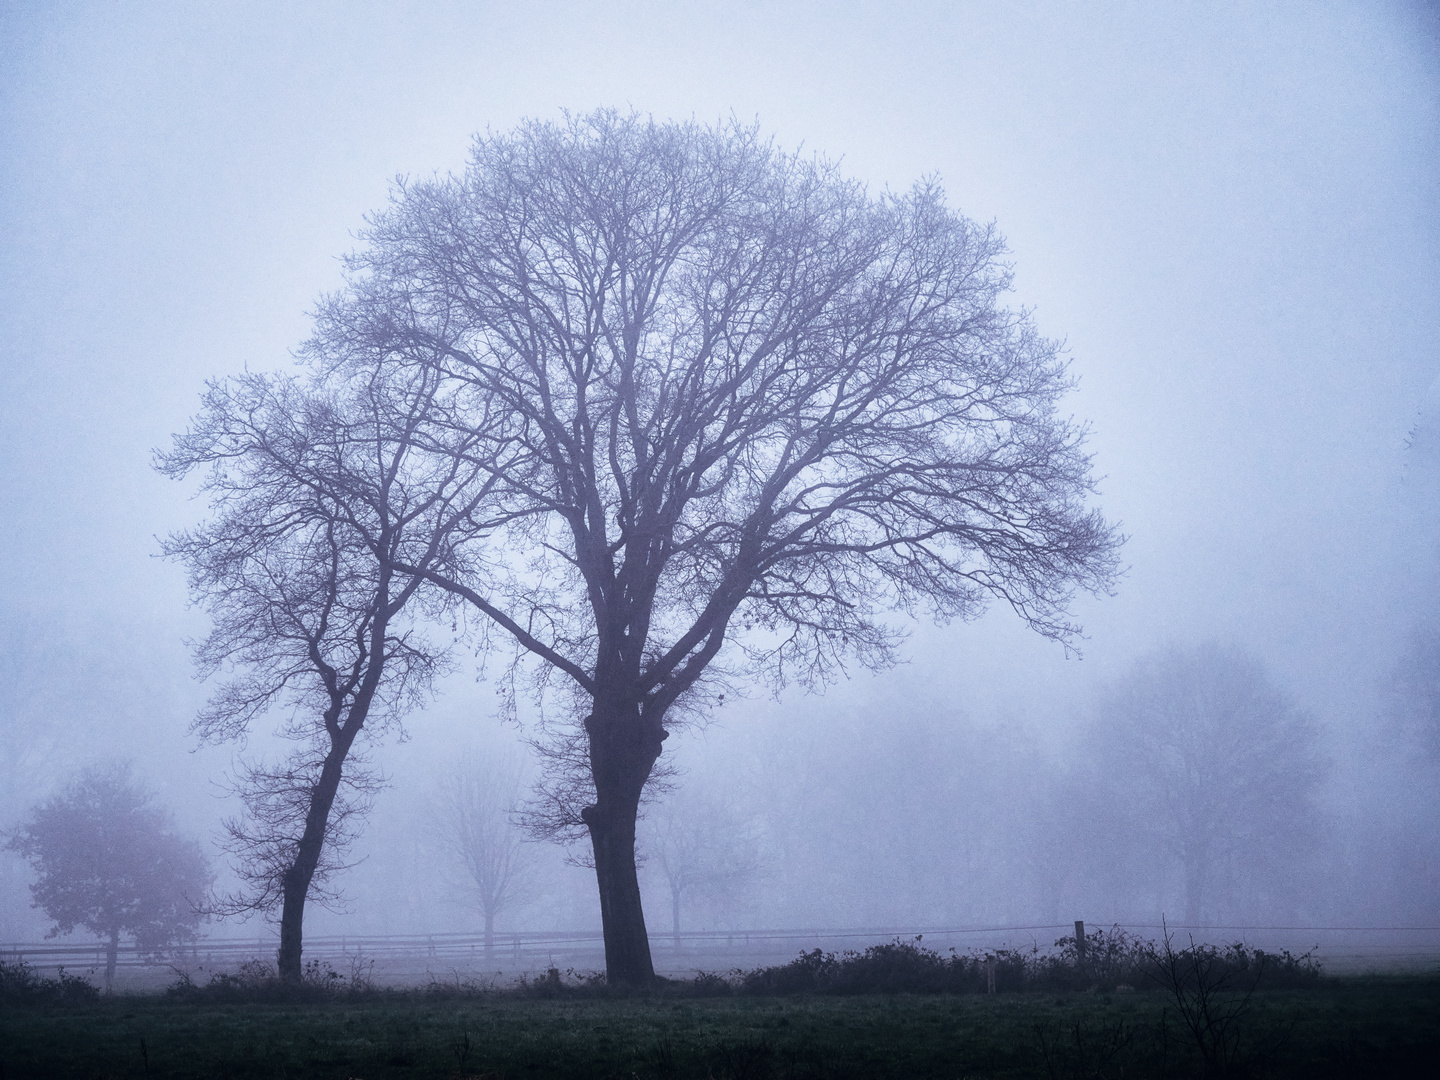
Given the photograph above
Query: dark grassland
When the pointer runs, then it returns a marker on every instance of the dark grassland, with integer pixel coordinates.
(1223, 1013)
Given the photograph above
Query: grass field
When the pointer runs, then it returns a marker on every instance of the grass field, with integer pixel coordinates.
(1340, 1028)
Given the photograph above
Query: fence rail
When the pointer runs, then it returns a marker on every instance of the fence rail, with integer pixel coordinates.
(398, 957)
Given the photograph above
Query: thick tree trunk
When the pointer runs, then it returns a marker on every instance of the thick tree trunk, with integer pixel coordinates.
(296, 883)
(489, 929)
(623, 749)
(112, 951)
(627, 945)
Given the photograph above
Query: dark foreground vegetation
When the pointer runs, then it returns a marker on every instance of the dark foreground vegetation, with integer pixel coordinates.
(1119, 1008)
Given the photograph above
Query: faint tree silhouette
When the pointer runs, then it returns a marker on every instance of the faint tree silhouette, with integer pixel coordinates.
(475, 808)
(106, 857)
(1199, 757)
(1415, 686)
(704, 849)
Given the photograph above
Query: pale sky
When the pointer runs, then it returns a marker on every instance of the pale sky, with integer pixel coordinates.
(1228, 210)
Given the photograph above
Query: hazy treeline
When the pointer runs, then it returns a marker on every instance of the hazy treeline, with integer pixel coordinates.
(895, 816)
(889, 805)
(901, 810)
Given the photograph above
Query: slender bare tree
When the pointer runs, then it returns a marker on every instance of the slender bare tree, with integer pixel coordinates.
(317, 490)
(475, 810)
(704, 848)
(761, 408)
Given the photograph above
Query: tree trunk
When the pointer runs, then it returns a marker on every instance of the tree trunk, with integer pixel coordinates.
(489, 929)
(292, 918)
(295, 885)
(623, 749)
(1197, 869)
(675, 913)
(112, 951)
(627, 945)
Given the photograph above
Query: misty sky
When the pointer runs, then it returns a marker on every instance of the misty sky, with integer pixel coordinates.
(1227, 210)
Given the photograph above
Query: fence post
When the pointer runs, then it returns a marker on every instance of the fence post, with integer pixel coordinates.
(1080, 939)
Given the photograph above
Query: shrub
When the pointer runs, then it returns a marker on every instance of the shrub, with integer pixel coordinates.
(1212, 989)
(1111, 959)
(20, 984)
(894, 967)
(255, 980)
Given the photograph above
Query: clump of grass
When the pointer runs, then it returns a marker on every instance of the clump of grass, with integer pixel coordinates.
(1086, 1050)
(257, 981)
(458, 988)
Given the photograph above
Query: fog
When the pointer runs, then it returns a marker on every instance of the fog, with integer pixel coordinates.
(1229, 213)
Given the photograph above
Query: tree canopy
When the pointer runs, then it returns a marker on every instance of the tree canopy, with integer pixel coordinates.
(1210, 769)
(107, 857)
(317, 491)
(733, 410)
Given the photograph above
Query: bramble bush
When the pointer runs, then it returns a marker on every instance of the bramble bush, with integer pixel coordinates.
(895, 967)
(255, 980)
(1111, 959)
(20, 984)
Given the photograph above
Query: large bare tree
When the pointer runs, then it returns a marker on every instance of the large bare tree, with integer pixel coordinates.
(318, 489)
(760, 408)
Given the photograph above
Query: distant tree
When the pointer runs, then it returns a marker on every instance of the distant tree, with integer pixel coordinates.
(1414, 682)
(318, 490)
(107, 858)
(475, 810)
(703, 848)
(757, 406)
(1416, 688)
(107, 672)
(942, 834)
(1202, 763)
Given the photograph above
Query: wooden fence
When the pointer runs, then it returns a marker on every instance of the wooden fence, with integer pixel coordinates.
(405, 959)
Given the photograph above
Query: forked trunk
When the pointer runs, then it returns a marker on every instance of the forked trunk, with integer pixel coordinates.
(295, 885)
